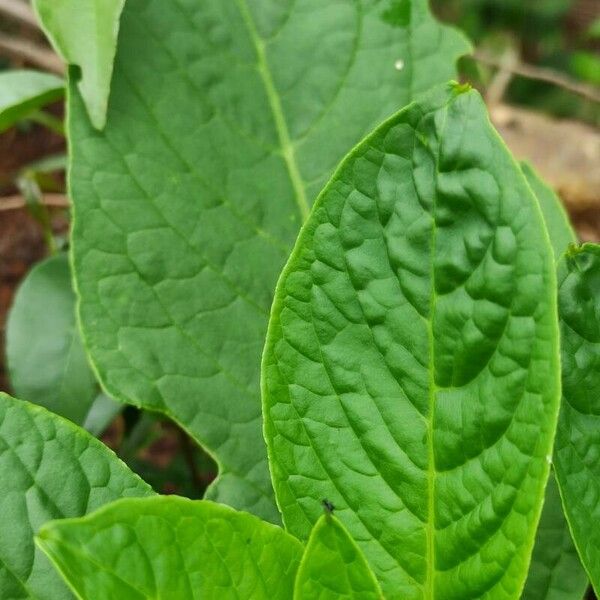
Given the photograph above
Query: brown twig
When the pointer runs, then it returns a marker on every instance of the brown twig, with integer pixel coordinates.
(590, 92)
(19, 11)
(32, 53)
(18, 202)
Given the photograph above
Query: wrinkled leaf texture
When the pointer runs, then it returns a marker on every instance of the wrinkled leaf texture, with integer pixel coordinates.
(175, 548)
(49, 469)
(576, 458)
(411, 372)
(225, 120)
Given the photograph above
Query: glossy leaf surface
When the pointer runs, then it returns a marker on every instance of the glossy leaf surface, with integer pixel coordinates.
(411, 371)
(24, 91)
(84, 33)
(225, 120)
(576, 455)
(50, 469)
(171, 547)
(45, 354)
(333, 567)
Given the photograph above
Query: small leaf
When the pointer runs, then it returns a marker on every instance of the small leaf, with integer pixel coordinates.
(576, 459)
(84, 33)
(49, 469)
(171, 547)
(22, 92)
(225, 120)
(333, 567)
(411, 370)
(46, 359)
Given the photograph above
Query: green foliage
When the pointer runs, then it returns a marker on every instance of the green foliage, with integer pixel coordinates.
(50, 469)
(412, 356)
(170, 547)
(22, 92)
(226, 118)
(333, 567)
(555, 572)
(46, 359)
(578, 436)
(84, 33)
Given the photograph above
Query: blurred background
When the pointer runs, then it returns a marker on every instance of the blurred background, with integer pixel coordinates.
(537, 63)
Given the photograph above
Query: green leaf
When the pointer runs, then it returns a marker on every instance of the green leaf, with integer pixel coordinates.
(333, 567)
(556, 219)
(171, 547)
(23, 92)
(411, 372)
(50, 469)
(555, 572)
(578, 436)
(84, 33)
(45, 355)
(225, 120)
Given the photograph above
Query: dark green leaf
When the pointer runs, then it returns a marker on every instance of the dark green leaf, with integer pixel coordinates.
(576, 457)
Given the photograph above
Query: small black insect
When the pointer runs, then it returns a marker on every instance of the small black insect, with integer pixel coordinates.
(328, 506)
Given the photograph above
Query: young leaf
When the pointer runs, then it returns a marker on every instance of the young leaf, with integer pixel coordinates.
(333, 567)
(180, 231)
(84, 33)
(171, 547)
(22, 92)
(411, 370)
(557, 222)
(576, 458)
(555, 572)
(45, 355)
(50, 469)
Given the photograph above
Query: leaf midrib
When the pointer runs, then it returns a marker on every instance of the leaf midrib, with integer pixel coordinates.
(287, 147)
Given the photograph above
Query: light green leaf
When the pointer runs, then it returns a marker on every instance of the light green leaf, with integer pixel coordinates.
(49, 469)
(175, 548)
(576, 457)
(23, 92)
(225, 120)
(46, 359)
(84, 33)
(411, 372)
(555, 572)
(559, 227)
(333, 567)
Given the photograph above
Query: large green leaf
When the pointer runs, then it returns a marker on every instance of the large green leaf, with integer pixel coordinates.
(411, 372)
(49, 469)
(45, 355)
(226, 117)
(555, 572)
(577, 451)
(170, 547)
(84, 33)
(23, 91)
(333, 567)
